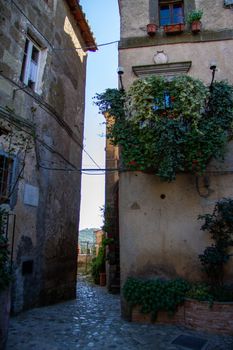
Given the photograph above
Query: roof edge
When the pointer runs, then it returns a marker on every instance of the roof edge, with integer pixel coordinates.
(83, 25)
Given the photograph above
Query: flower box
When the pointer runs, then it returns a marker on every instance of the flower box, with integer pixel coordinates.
(174, 28)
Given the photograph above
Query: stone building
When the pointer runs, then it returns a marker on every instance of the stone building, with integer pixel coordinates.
(159, 231)
(43, 57)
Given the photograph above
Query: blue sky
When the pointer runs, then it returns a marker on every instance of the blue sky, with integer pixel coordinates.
(103, 17)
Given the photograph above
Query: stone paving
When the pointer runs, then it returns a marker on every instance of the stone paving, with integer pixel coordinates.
(92, 321)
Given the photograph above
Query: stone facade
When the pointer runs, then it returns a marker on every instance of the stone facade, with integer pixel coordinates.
(52, 110)
(159, 231)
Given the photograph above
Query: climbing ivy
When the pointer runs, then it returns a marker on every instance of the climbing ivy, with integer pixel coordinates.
(169, 127)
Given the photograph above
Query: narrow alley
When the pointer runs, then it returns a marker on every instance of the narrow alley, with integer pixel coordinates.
(93, 321)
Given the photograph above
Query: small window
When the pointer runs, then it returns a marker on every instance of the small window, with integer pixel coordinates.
(30, 67)
(6, 171)
(171, 13)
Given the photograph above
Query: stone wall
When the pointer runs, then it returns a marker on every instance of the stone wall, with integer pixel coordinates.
(46, 232)
(195, 315)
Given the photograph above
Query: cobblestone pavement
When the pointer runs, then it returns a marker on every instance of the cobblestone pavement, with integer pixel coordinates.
(93, 321)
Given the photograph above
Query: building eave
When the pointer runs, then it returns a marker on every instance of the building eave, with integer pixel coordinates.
(83, 25)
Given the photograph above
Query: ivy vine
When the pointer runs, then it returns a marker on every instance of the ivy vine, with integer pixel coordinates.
(169, 127)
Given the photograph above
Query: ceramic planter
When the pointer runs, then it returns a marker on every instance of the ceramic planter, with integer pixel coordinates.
(151, 29)
(102, 279)
(196, 26)
(174, 28)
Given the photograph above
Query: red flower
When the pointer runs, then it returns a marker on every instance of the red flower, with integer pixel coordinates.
(132, 162)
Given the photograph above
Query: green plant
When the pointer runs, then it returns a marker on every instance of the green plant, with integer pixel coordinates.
(107, 213)
(194, 15)
(98, 263)
(155, 295)
(169, 127)
(5, 268)
(220, 225)
(200, 291)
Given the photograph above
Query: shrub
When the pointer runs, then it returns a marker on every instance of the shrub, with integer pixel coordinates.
(220, 225)
(169, 127)
(195, 15)
(5, 269)
(155, 295)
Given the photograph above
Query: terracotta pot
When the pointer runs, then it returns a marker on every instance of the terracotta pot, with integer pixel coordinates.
(196, 26)
(151, 29)
(102, 279)
(174, 28)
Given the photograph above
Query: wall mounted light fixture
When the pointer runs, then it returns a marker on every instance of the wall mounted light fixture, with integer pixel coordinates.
(120, 72)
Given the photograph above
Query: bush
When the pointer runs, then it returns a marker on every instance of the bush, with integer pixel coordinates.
(5, 269)
(195, 15)
(220, 225)
(98, 264)
(155, 295)
(169, 127)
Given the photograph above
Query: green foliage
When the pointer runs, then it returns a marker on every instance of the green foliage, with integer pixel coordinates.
(155, 295)
(108, 213)
(194, 15)
(5, 270)
(220, 225)
(168, 139)
(98, 263)
(201, 292)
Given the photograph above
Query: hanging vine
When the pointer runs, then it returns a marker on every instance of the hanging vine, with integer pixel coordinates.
(169, 127)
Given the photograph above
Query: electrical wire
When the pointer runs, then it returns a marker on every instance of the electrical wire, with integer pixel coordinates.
(61, 49)
(21, 11)
(85, 47)
(7, 117)
(49, 109)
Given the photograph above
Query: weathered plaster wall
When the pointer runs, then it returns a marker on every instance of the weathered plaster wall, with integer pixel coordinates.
(162, 236)
(47, 233)
(135, 15)
(200, 54)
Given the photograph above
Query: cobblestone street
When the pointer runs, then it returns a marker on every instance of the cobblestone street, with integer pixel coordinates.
(93, 321)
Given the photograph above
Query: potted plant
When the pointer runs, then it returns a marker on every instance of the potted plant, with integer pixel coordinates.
(194, 19)
(151, 29)
(174, 28)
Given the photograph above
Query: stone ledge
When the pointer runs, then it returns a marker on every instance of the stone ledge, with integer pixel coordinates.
(165, 69)
(197, 315)
(186, 37)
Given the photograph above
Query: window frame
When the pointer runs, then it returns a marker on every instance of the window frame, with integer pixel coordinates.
(27, 62)
(10, 178)
(171, 4)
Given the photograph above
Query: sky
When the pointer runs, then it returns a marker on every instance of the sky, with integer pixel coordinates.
(103, 18)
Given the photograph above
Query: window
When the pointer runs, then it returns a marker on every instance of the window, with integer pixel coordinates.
(30, 67)
(171, 12)
(6, 172)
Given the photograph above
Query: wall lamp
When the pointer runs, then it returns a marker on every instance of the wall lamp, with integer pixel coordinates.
(120, 72)
(213, 68)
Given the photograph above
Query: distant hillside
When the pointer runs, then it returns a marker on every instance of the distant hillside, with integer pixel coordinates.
(87, 235)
